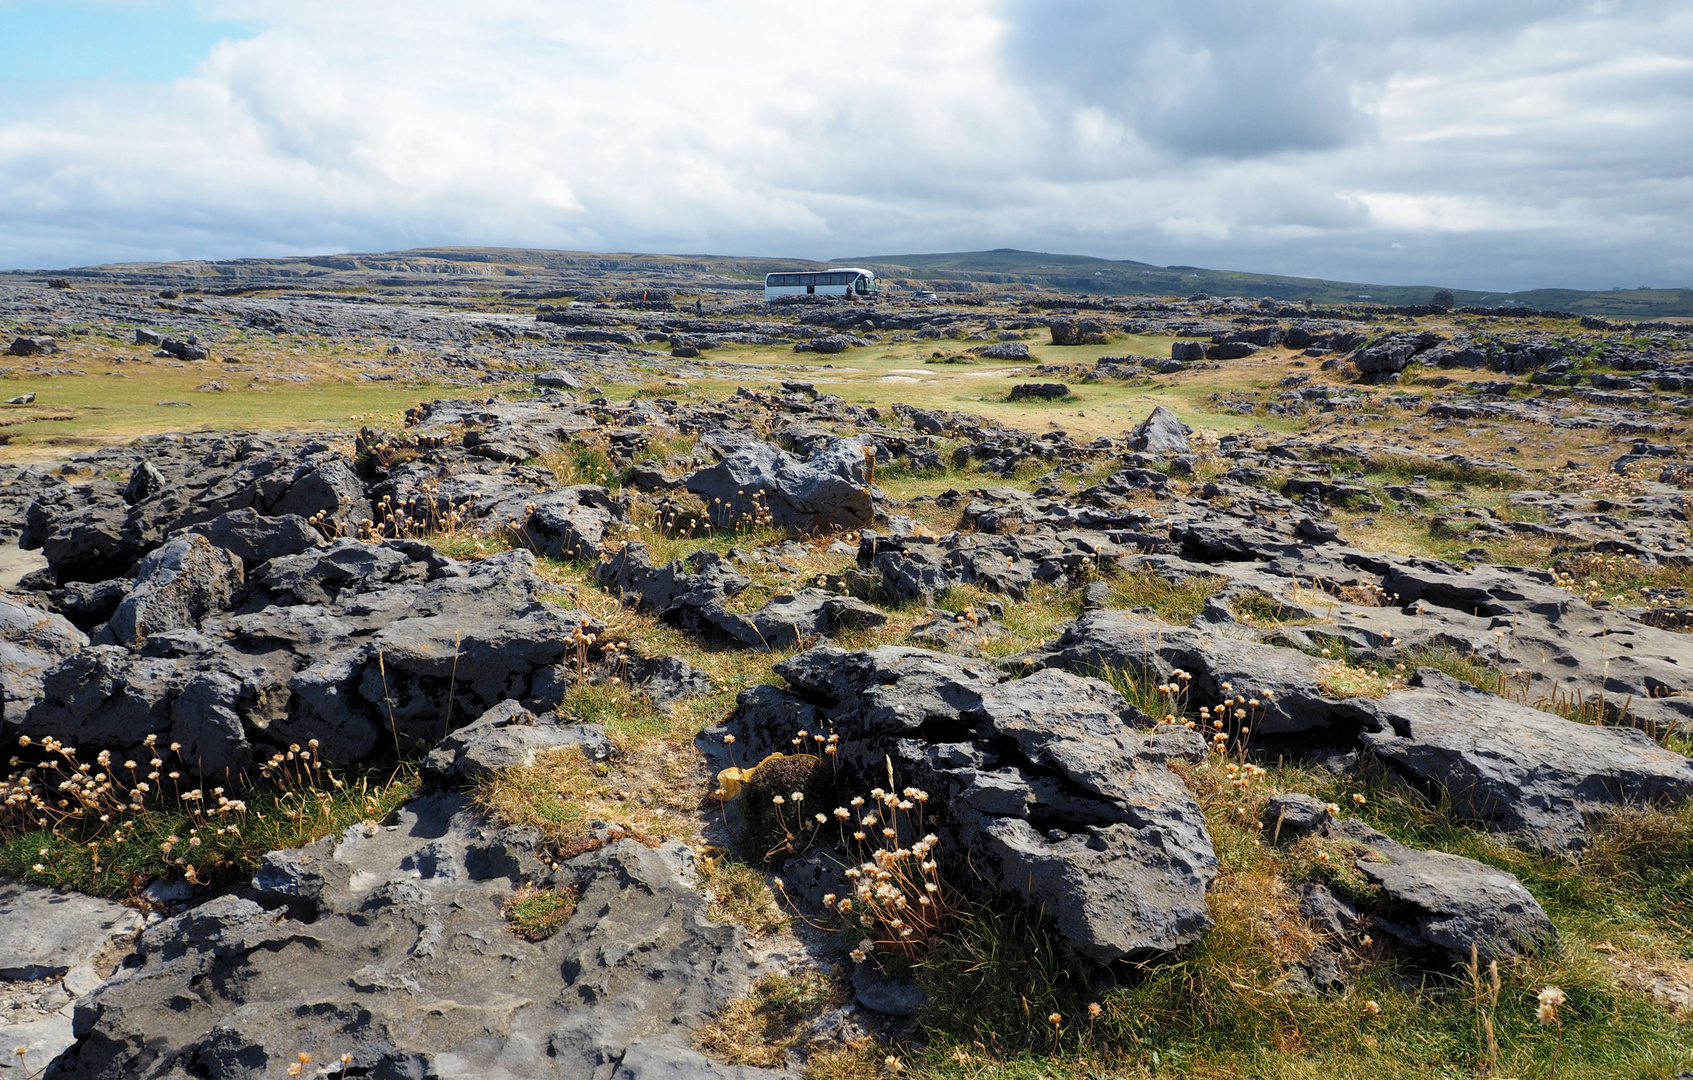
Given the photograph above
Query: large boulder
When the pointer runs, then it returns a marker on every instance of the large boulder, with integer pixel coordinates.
(1391, 354)
(1005, 350)
(1048, 391)
(1048, 786)
(32, 346)
(1078, 332)
(757, 482)
(1161, 433)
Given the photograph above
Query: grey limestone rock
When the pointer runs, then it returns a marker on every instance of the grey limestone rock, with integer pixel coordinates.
(666, 680)
(31, 641)
(507, 736)
(1288, 816)
(1039, 391)
(1443, 904)
(572, 523)
(1519, 769)
(1124, 641)
(1051, 782)
(1005, 350)
(176, 586)
(829, 489)
(44, 933)
(795, 617)
(1161, 433)
(1391, 354)
(144, 482)
(408, 966)
(32, 346)
(1078, 332)
(254, 538)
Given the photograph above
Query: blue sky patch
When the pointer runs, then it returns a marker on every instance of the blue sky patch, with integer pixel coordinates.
(60, 40)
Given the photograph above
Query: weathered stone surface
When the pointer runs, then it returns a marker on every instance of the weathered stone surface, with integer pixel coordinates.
(254, 538)
(1288, 816)
(1124, 641)
(1520, 769)
(1443, 904)
(1039, 391)
(32, 346)
(508, 736)
(1161, 433)
(45, 933)
(756, 480)
(176, 586)
(356, 645)
(1389, 355)
(1078, 332)
(409, 968)
(1005, 350)
(572, 523)
(1063, 802)
(796, 617)
(667, 680)
(31, 641)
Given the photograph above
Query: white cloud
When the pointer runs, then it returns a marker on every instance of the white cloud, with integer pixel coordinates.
(1520, 144)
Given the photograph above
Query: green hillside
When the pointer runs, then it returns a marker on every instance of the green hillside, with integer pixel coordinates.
(1125, 277)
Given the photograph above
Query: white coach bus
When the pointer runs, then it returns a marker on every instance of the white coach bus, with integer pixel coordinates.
(845, 282)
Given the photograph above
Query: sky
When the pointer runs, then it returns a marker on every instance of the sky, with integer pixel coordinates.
(1501, 145)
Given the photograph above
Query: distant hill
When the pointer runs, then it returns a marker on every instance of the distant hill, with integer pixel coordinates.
(1125, 277)
(537, 271)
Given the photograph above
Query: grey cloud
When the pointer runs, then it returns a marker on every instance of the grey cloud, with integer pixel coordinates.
(1508, 144)
(1243, 78)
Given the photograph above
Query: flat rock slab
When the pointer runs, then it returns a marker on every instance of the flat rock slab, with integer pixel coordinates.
(1519, 769)
(408, 966)
(41, 1040)
(45, 933)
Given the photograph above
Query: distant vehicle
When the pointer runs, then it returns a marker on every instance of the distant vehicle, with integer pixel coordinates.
(850, 280)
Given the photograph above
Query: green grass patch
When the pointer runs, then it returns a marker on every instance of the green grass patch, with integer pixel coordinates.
(1178, 602)
(741, 894)
(612, 706)
(538, 914)
(99, 843)
(1004, 1003)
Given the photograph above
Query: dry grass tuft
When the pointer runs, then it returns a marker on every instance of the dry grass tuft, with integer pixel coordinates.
(741, 895)
(761, 1028)
(650, 791)
(1343, 680)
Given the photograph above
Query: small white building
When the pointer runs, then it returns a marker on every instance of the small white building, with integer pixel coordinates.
(847, 281)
